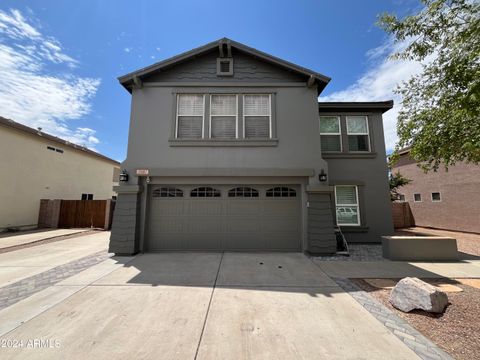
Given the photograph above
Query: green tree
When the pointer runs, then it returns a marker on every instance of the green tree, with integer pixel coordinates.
(439, 119)
(397, 180)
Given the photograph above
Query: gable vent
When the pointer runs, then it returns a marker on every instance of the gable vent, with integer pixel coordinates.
(225, 66)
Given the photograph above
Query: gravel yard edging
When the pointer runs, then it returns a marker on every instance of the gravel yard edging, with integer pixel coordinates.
(417, 342)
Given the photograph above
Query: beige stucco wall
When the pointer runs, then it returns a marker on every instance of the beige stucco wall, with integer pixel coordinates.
(459, 208)
(30, 172)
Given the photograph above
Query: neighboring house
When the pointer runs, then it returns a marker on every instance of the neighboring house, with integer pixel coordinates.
(229, 149)
(443, 199)
(36, 165)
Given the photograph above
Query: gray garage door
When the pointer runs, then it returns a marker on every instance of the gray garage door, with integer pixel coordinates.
(224, 217)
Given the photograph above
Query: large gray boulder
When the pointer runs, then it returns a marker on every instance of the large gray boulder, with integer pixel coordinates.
(412, 293)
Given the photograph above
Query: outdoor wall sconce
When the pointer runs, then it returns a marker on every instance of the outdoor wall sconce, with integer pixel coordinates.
(123, 176)
(322, 177)
(148, 179)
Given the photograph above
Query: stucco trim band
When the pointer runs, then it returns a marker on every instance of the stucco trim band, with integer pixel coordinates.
(128, 189)
(273, 172)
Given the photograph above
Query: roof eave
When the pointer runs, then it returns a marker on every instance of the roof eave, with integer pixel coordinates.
(383, 106)
(26, 129)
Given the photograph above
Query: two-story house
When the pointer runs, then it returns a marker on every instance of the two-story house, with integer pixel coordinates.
(229, 149)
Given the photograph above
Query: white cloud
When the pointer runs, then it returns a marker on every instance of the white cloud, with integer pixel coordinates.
(379, 82)
(127, 49)
(33, 95)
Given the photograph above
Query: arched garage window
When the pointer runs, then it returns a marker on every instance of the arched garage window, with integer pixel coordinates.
(243, 192)
(281, 192)
(167, 192)
(205, 192)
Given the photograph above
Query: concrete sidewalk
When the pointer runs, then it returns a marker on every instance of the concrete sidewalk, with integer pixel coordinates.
(25, 237)
(199, 306)
(399, 269)
(23, 263)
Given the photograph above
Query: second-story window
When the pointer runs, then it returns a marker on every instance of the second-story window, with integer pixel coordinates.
(357, 131)
(223, 116)
(330, 134)
(190, 112)
(257, 114)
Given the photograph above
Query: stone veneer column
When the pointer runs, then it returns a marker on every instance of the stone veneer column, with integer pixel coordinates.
(124, 238)
(320, 223)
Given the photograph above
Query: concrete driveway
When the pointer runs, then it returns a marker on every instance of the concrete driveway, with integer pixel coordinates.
(198, 306)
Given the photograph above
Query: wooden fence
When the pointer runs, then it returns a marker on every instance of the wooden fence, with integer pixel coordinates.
(402, 215)
(76, 213)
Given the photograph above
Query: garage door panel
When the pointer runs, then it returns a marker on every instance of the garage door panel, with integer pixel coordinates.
(280, 207)
(280, 224)
(238, 222)
(168, 207)
(244, 207)
(196, 242)
(203, 225)
(167, 224)
(244, 224)
(196, 207)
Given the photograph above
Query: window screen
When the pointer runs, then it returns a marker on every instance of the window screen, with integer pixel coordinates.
(346, 205)
(330, 133)
(257, 116)
(223, 121)
(190, 110)
(357, 130)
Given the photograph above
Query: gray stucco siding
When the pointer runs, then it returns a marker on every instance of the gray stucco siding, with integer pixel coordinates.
(151, 128)
(371, 177)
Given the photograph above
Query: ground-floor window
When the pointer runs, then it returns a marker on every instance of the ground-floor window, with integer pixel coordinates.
(346, 205)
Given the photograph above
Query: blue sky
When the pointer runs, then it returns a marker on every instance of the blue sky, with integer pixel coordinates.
(59, 60)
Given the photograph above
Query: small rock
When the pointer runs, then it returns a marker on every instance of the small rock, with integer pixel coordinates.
(413, 293)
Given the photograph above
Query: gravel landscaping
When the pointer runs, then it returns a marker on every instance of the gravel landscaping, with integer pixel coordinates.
(456, 331)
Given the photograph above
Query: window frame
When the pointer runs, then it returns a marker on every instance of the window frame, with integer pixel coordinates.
(439, 195)
(285, 192)
(414, 200)
(176, 115)
(216, 193)
(177, 192)
(359, 219)
(269, 116)
(367, 133)
(339, 133)
(210, 116)
(234, 192)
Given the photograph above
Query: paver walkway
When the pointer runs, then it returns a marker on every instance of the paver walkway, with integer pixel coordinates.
(421, 345)
(22, 289)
